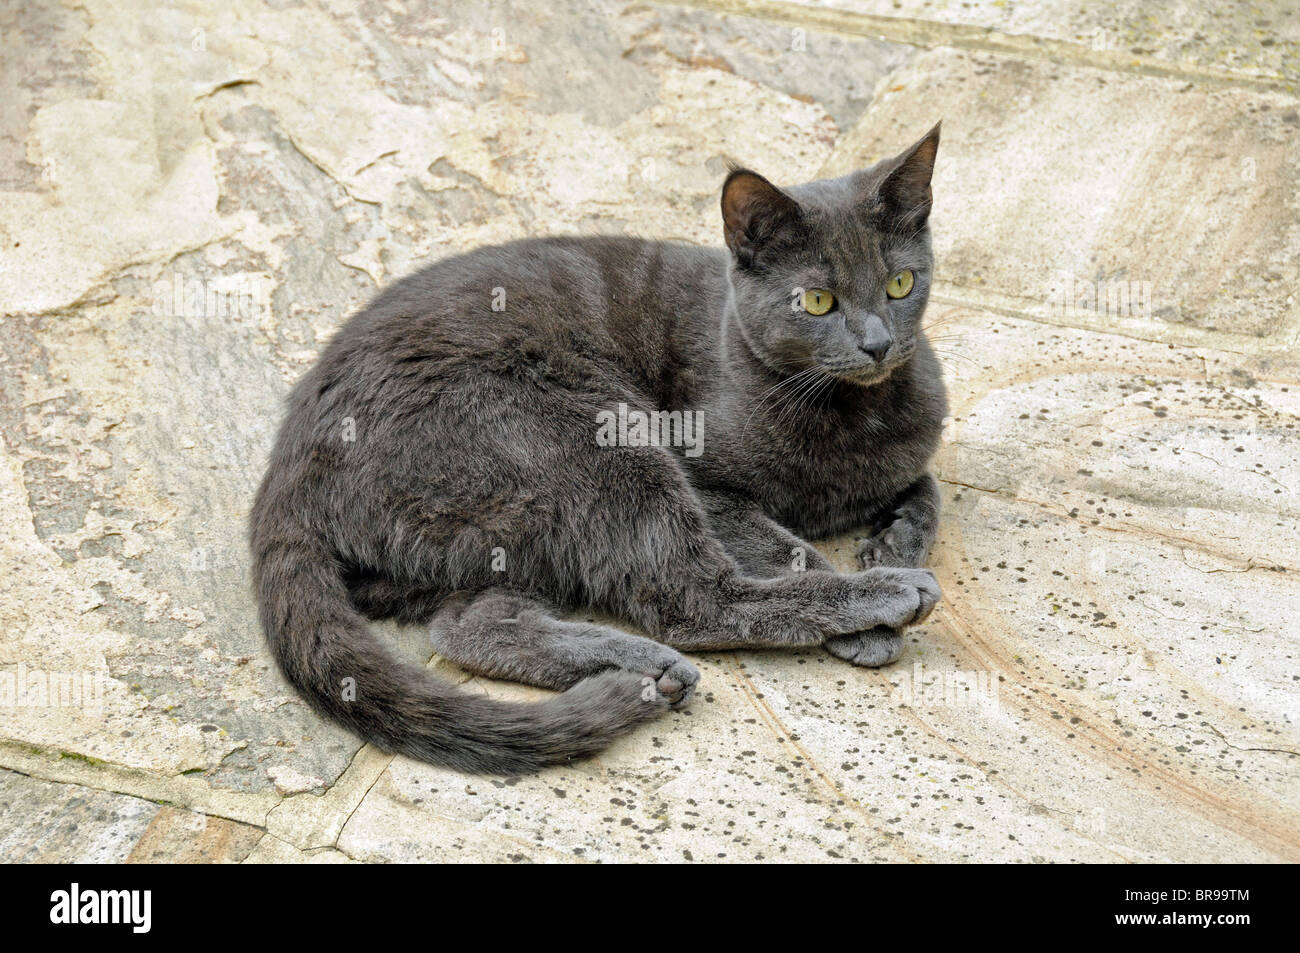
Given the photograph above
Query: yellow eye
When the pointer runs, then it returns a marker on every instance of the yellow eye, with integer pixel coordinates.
(817, 301)
(900, 286)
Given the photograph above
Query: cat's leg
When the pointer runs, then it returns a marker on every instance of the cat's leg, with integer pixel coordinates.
(906, 528)
(695, 612)
(765, 549)
(762, 547)
(646, 553)
(903, 537)
(622, 529)
(506, 635)
(679, 583)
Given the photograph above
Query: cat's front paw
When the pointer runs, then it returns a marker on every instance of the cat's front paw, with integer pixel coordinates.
(900, 544)
(899, 596)
(870, 649)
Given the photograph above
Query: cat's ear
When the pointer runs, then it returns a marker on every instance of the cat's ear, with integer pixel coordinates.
(753, 211)
(904, 192)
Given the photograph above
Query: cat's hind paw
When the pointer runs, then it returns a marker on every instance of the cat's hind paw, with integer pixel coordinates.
(870, 649)
(675, 683)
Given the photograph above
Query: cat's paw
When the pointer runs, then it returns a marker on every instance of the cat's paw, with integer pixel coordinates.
(900, 545)
(901, 596)
(870, 649)
(674, 682)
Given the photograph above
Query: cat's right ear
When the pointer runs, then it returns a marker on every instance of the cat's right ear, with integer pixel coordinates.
(904, 194)
(753, 211)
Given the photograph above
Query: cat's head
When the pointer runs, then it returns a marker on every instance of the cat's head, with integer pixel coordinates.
(833, 274)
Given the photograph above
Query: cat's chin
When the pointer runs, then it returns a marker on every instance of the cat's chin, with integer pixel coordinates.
(866, 376)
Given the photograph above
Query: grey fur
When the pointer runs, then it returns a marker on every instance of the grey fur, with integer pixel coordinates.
(439, 465)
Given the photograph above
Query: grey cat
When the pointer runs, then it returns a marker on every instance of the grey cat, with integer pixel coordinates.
(440, 464)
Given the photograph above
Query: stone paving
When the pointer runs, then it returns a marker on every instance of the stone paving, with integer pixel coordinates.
(193, 198)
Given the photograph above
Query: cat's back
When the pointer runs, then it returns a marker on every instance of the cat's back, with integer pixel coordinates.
(594, 283)
(602, 298)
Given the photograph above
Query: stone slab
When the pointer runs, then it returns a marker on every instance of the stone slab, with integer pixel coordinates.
(1163, 209)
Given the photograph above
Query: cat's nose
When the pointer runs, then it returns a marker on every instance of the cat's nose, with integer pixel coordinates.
(876, 338)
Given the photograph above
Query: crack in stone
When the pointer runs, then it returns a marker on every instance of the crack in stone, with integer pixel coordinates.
(306, 851)
(1224, 739)
(229, 84)
(122, 774)
(324, 171)
(1226, 466)
(1183, 336)
(1218, 622)
(361, 800)
(382, 155)
(929, 34)
(1122, 528)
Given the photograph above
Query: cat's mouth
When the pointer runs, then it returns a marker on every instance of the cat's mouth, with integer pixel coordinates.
(869, 373)
(858, 373)
(863, 375)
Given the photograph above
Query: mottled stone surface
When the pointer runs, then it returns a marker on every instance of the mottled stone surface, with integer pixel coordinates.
(1161, 209)
(248, 192)
(194, 199)
(1111, 677)
(1259, 40)
(43, 822)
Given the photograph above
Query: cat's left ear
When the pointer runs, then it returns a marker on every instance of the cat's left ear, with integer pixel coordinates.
(905, 192)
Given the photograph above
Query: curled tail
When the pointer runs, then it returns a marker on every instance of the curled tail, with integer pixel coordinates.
(327, 652)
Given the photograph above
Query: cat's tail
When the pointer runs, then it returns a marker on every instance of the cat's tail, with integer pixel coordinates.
(327, 652)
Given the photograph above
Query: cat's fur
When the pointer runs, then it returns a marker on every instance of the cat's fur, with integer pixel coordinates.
(439, 465)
